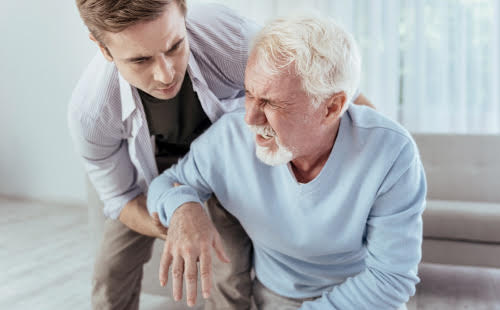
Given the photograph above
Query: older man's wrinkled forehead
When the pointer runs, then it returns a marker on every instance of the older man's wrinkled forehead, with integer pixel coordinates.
(266, 81)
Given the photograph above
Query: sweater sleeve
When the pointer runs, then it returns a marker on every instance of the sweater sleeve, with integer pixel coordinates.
(393, 242)
(164, 198)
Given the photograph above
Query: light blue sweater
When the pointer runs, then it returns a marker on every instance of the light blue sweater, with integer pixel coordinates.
(352, 235)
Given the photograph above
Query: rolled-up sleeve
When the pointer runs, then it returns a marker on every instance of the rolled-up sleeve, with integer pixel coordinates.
(106, 159)
(164, 198)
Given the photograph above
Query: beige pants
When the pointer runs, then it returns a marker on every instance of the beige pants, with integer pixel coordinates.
(265, 299)
(123, 252)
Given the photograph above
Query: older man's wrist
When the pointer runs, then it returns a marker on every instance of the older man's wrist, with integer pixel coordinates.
(176, 203)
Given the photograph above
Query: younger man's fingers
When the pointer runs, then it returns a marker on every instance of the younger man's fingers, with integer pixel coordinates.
(156, 217)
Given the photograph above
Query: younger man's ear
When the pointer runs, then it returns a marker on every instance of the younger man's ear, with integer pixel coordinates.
(334, 105)
(104, 49)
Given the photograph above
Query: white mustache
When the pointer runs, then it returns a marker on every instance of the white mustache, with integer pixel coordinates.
(263, 130)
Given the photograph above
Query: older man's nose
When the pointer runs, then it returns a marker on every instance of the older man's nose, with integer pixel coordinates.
(164, 71)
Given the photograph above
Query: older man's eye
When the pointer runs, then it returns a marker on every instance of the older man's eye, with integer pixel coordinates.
(176, 46)
(269, 104)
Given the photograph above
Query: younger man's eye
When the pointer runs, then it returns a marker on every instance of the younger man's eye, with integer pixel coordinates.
(140, 60)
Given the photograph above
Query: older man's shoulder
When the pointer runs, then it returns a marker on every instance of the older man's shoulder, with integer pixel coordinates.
(363, 117)
(232, 122)
(372, 128)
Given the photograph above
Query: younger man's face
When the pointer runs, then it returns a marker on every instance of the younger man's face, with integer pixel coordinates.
(152, 56)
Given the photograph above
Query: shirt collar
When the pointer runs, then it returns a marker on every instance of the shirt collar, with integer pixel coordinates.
(194, 71)
(127, 96)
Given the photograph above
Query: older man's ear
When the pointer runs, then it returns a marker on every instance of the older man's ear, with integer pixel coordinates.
(335, 105)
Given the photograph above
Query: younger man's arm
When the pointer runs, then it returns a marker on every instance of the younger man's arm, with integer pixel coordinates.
(111, 172)
(135, 216)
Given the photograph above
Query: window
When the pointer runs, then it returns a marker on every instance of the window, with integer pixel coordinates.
(431, 65)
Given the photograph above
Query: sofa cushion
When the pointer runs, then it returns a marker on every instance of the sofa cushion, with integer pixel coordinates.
(461, 167)
(462, 220)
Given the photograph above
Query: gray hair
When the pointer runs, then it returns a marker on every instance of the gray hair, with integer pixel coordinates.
(324, 55)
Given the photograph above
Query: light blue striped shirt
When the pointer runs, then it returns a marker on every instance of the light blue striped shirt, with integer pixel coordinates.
(352, 235)
(107, 120)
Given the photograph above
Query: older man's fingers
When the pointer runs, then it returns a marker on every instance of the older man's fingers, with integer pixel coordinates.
(219, 249)
(191, 278)
(177, 274)
(206, 272)
(165, 262)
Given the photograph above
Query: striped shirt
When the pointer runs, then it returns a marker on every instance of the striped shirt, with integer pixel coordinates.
(107, 120)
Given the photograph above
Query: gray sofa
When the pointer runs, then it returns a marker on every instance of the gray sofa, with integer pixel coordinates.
(462, 219)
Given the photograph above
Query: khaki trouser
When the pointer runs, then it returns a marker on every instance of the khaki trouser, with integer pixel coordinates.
(123, 252)
(265, 299)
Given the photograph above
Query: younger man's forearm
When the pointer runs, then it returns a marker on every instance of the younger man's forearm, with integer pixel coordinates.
(135, 216)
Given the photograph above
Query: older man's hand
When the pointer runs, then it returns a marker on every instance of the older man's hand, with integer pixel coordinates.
(191, 237)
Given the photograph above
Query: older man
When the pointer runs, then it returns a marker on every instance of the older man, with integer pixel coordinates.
(331, 195)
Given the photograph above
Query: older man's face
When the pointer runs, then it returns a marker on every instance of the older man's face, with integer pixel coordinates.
(281, 114)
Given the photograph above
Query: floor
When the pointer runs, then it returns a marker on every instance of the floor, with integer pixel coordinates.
(46, 262)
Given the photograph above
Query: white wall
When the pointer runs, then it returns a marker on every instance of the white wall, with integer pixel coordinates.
(43, 49)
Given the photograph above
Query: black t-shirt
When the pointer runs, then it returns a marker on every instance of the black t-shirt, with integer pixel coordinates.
(175, 123)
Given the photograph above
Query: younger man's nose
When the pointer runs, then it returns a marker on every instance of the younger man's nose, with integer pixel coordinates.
(164, 71)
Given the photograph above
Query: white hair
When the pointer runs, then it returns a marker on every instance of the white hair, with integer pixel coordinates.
(324, 55)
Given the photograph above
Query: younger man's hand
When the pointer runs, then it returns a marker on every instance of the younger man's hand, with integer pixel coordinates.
(161, 230)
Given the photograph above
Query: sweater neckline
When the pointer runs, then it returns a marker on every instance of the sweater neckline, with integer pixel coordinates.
(331, 165)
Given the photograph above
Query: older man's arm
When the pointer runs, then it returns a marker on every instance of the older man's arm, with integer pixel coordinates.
(191, 234)
(393, 242)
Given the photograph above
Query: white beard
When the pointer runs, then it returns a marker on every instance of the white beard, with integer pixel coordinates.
(281, 156)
